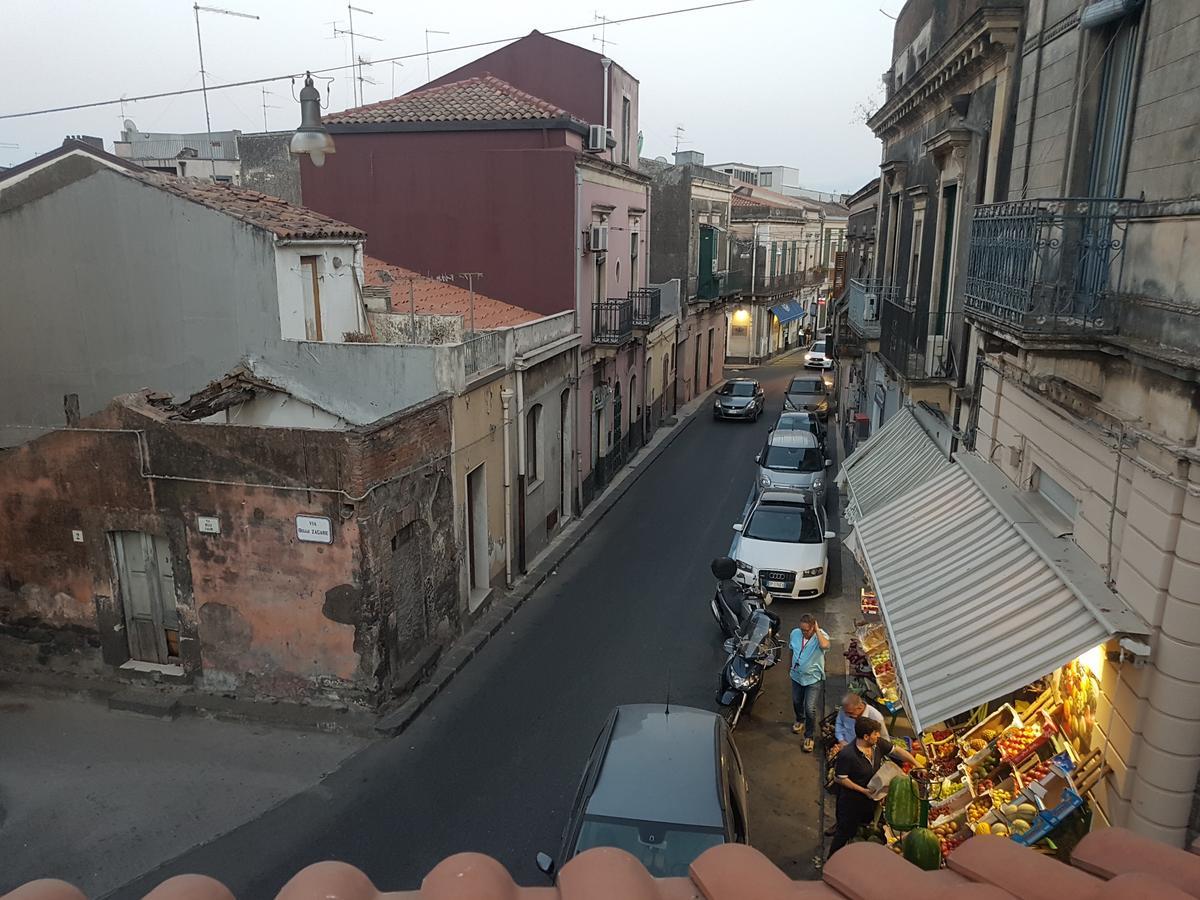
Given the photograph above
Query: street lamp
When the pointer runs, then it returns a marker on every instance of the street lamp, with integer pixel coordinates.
(311, 137)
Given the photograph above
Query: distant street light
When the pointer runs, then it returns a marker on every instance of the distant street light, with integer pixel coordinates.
(311, 137)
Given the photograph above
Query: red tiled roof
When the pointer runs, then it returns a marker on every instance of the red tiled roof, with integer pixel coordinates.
(983, 868)
(261, 210)
(431, 296)
(482, 99)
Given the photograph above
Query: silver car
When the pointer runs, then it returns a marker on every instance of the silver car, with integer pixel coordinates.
(808, 393)
(793, 461)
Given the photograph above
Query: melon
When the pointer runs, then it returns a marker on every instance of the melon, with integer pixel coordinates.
(902, 809)
(922, 849)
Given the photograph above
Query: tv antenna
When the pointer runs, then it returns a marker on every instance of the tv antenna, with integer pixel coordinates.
(470, 277)
(204, 75)
(356, 65)
(266, 106)
(395, 64)
(680, 131)
(428, 32)
(603, 39)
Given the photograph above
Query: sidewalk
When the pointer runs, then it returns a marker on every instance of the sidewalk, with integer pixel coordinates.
(505, 603)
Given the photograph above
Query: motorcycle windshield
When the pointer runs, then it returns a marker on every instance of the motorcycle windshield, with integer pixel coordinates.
(757, 631)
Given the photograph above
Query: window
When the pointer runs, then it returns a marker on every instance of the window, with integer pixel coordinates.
(1112, 114)
(764, 179)
(788, 523)
(789, 458)
(634, 240)
(626, 124)
(1057, 495)
(533, 444)
(600, 285)
(311, 286)
(774, 253)
(732, 388)
(914, 270)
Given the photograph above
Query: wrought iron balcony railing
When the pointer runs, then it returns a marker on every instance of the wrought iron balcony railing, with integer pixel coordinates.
(1046, 266)
(612, 322)
(647, 306)
(864, 307)
(918, 344)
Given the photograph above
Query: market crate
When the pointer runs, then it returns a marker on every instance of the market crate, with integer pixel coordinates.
(952, 831)
(1055, 796)
(1047, 762)
(1046, 730)
(1003, 718)
(949, 807)
(872, 637)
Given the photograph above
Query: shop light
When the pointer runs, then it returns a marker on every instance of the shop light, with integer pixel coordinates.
(1093, 659)
(741, 317)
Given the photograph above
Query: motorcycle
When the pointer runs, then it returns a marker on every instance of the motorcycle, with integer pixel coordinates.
(733, 603)
(751, 653)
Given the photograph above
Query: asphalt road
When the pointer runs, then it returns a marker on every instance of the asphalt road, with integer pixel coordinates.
(492, 764)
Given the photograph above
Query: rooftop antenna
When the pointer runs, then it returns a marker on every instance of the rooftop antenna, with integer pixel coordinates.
(266, 106)
(471, 276)
(356, 64)
(428, 32)
(395, 64)
(204, 75)
(364, 79)
(603, 39)
(680, 131)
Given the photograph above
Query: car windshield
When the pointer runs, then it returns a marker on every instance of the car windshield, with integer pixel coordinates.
(737, 389)
(789, 523)
(807, 386)
(794, 459)
(665, 850)
(797, 422)
(818, 347)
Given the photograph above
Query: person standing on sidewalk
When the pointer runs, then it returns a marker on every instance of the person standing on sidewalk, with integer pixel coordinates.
(856, 765)
(809, 644)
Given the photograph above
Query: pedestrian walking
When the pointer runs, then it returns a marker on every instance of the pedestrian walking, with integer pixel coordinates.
(808, 643)
(856, 765)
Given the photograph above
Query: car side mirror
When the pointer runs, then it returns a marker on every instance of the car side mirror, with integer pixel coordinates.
(737, 526)
(829, 535)
(828, 463)
(545, 864)
(730, 645)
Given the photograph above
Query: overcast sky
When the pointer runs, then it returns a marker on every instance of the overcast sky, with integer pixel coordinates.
(768, 81)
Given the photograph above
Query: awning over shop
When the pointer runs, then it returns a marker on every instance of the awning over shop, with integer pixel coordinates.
(897, 458)
(788, 312)
(977, 603)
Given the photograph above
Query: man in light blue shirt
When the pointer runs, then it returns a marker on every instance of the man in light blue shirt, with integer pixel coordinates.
(809, 644)
(854, 706)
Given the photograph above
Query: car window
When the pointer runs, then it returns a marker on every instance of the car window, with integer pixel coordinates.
(737, 389)
(807, 386)
(785, 523)
(798, 423)
(818, 347)
(665, 850)
(794, 459)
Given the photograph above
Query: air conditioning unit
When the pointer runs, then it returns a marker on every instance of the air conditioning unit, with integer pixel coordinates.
(598, 239)
(870, 307)
(597, 139)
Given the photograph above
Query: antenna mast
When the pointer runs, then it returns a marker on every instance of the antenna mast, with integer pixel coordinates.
(204, 75)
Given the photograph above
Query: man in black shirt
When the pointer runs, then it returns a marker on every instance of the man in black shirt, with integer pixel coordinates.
(856, 765)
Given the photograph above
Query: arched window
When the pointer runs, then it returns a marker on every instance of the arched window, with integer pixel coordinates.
(533, 444)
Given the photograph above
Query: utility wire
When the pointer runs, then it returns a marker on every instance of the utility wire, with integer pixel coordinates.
(293, 75)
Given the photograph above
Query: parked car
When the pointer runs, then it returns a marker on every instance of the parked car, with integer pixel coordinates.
(808, 393)
(664, 784)
(739, 398)
(783, 545)
(816, 357)
(793, 461)
(802, 421)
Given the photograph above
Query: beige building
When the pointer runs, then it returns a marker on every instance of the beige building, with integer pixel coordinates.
(1038, 291)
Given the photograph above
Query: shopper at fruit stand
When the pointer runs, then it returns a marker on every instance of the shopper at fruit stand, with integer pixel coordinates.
(853, 706)
(809, 644)
(856, 765)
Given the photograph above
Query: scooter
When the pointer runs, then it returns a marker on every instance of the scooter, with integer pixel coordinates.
(732, 603)
(751, 653)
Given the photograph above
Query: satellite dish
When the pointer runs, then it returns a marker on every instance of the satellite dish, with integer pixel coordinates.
(661, 159)
(129, 126)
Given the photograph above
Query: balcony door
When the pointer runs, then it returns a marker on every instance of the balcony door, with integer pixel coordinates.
(146, 581)
(706, 283)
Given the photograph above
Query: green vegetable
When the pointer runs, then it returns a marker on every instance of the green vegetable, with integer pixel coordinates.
(902, 808)
(922, 849)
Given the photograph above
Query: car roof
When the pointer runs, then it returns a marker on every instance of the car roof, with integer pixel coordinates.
(799, 414)
(791, 498)
(661, 767)
(806, 377)
(790, 438)
(741, 381)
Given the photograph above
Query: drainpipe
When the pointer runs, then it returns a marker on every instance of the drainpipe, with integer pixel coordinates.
(521, 471)
(576, 500)
(506, 396)
(606, 62)
(753, 329)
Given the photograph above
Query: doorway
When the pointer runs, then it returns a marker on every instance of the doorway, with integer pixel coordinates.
(477, 536)
(146, 583)
(564, 455)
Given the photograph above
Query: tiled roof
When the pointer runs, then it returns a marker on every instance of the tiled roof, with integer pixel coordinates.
(1123, 866)
(434, 297)
(481, 99)
(261, 210)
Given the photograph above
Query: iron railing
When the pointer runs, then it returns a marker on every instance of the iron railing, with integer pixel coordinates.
(483, 350)
(612, 322)
(647, 306)
(1047, 266)
(717, 285)
(866, 297)
(918, 344)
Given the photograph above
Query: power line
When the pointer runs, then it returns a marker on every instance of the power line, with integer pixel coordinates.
(352, 65)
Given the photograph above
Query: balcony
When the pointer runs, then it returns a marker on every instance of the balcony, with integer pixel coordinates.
(612, 322)
(1045, 267)
(917, 344)
(647, 307)
(482, 351)
(865, 298)
(706, 288)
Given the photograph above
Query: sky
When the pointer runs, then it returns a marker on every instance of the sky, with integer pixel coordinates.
(771, 82)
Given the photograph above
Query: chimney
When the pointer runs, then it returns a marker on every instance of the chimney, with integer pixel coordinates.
(689, 158)
(88, 139)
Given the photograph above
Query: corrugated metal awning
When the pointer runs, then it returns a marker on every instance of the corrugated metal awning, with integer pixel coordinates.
(974, 609)
(788, 312)
(897, 458)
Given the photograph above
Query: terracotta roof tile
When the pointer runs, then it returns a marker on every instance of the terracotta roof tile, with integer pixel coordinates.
(435, 297)
(986, 868)
(261, 210)
(481, 99)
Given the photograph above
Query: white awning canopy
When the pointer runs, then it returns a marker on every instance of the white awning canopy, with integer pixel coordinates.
(977, 601)
(894, 460)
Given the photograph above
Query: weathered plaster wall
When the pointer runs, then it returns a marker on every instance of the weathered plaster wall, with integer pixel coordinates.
(479, 440)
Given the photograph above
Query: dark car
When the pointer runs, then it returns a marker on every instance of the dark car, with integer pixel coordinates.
(808, 393)
(741, 398)
(802, 421)
(663, 784)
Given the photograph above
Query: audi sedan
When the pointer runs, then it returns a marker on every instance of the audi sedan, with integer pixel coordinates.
(783, 546)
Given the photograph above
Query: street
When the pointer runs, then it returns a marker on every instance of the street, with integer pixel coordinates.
(493, 763)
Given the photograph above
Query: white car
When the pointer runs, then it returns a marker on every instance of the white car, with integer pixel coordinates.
(815, 357)
(783, 545)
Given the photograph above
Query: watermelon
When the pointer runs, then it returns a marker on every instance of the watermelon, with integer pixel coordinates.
(902, 807)
(922, 849)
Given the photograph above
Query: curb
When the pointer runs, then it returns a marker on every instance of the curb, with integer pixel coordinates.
(506, 604)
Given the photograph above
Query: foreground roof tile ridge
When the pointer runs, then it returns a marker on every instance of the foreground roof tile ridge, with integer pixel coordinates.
(1108, 864)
